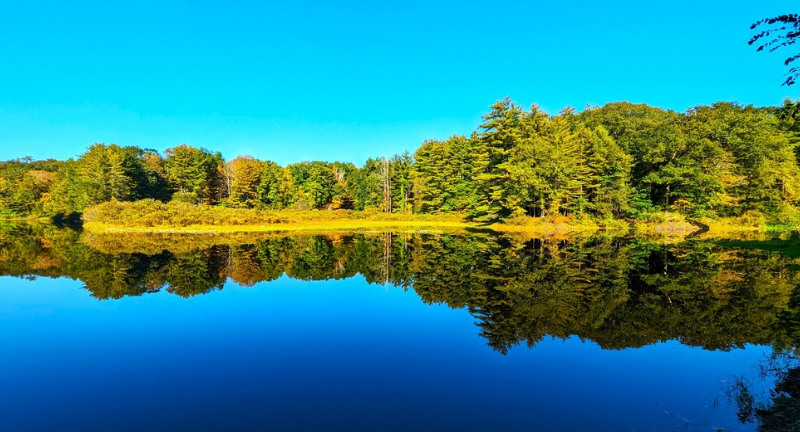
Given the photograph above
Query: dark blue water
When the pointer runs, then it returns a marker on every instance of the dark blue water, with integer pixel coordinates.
(327, 355)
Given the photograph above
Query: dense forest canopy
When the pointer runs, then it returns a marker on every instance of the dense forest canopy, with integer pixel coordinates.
(618, 160)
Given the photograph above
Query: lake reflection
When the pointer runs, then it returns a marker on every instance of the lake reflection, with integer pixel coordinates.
(382, 332)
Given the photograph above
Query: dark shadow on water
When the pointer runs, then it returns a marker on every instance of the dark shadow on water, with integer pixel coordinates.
(788, 246)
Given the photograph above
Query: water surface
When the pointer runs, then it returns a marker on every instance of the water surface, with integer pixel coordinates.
(382, 332)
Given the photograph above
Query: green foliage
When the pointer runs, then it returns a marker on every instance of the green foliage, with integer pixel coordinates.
(548, 166)
(108, 172)
(442, 175)
(273, 187)
(242, 177)
(400, 183)
(26, 185)
(366, 185)
(608, 191)
(312, 184)
(185, 197)
(618, 161)
(194, 170)
(496, 145)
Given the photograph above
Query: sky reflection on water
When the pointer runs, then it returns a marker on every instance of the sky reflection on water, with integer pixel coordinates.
(327, 355)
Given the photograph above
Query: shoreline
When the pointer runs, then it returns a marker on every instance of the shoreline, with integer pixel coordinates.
(145, 217)
(622, 228)
(337, 225)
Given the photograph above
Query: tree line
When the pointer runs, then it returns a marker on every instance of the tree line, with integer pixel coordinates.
(612, 161)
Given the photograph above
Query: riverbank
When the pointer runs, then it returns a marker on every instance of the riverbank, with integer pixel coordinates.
(183, 218)
(315, 226)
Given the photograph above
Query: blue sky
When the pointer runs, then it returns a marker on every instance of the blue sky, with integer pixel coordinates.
(345, 80)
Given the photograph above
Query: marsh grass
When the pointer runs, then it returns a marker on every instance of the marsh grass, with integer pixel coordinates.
(151, 216)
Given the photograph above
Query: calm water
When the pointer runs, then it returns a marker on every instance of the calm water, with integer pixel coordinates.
(383, 332)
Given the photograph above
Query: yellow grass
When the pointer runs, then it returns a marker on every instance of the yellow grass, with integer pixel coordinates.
(317, 226)
(150, 216)
(331, 222)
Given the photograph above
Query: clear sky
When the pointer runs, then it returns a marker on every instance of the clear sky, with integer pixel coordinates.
(345, 80)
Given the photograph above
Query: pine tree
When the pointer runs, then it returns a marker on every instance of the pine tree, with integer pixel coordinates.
(500, 134)
(608, 186)
(104, 173)
(194, 172)
(271, 186)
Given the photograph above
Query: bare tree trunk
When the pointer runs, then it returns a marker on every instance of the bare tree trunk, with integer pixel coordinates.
(228, 176)
(387, 187)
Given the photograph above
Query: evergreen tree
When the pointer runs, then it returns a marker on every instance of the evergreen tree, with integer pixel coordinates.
(608, 188)
(500, 134)
(272, 187)
(193, 172)
(442, 175)
(104, 173)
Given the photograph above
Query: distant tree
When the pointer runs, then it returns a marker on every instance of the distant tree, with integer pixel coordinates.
(192, 171)
(242, 177)
(608, 186)
(442, 175)
(656, 141)
(104, 173)
(781, 31)
(312, 184)
(152, 176)
(273, 186)
(401, 182)
(342, 190)
(25, 185)
(366, 186)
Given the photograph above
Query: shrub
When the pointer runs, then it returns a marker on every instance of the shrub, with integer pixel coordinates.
(151, 213)
(751, 218)
(185, 197)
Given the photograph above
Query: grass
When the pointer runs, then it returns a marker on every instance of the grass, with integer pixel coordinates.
(11, 217)
(149, 216)
(157, 217)
(309, 225)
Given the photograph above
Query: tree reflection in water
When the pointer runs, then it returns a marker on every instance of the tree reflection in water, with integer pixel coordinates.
(617, 293)
(776, 409)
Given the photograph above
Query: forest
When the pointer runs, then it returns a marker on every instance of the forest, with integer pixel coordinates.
(620, 160)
